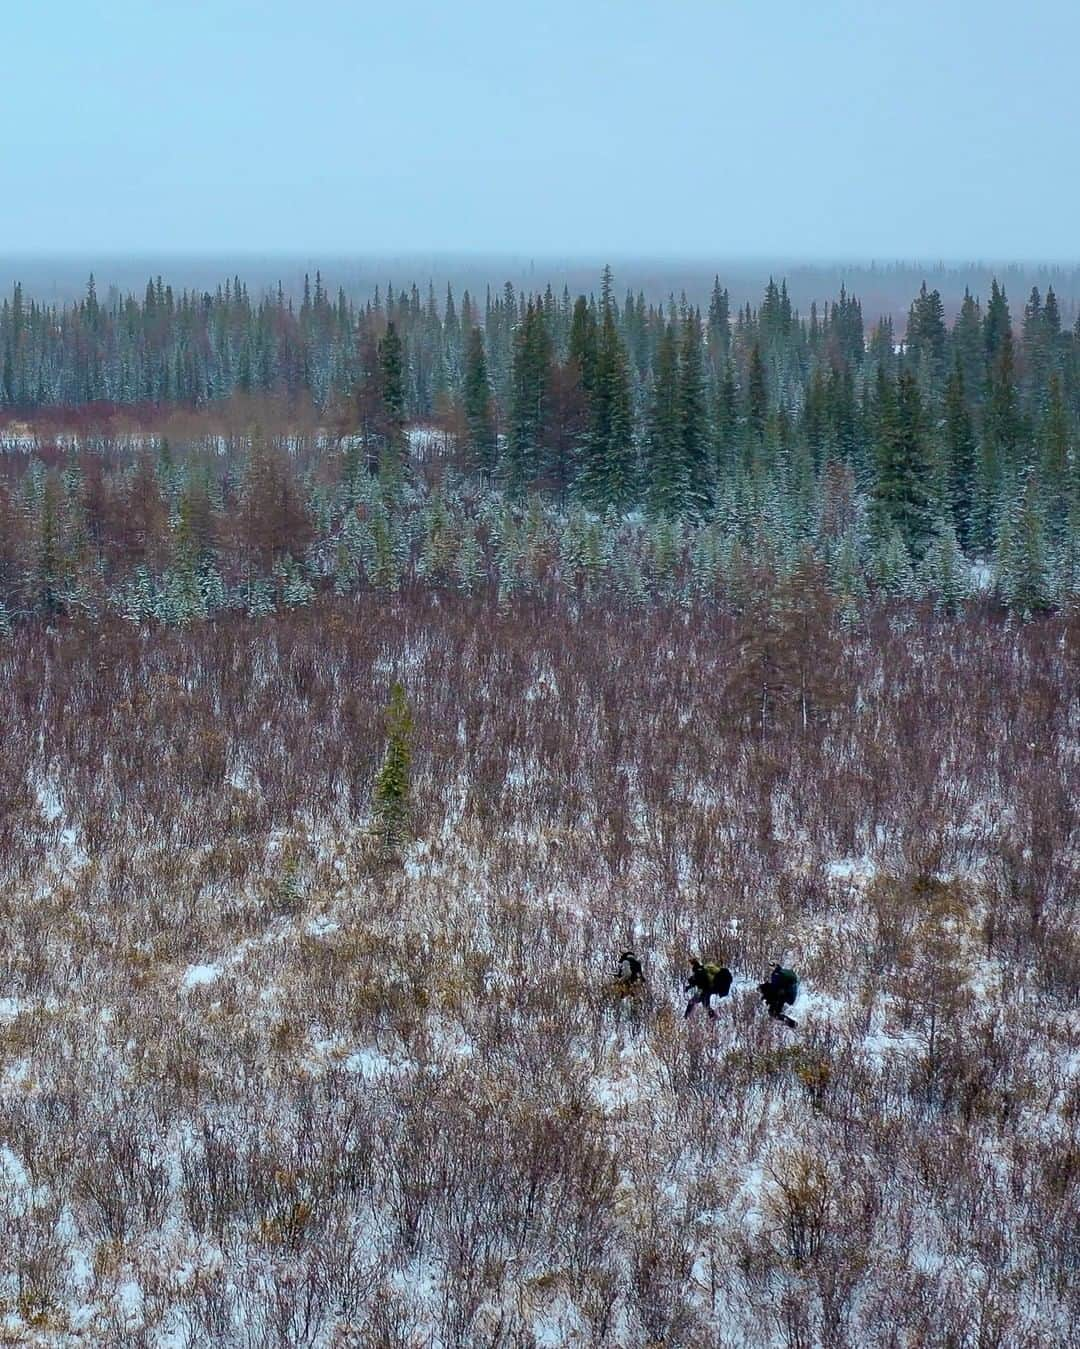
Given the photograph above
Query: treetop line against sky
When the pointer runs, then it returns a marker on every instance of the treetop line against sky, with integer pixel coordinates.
(611, 127)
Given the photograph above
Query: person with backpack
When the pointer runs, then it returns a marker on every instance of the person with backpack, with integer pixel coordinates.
(629, 970)
(706, 980)
(779, 991)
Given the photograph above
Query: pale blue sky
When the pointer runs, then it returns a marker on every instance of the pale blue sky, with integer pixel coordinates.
(794, 128)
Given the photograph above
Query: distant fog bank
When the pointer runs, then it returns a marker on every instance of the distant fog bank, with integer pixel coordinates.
(883, 288)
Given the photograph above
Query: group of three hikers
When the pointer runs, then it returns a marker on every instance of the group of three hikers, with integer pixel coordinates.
(778, 991)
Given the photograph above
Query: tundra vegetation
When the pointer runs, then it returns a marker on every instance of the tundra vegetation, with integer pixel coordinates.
(336, 773)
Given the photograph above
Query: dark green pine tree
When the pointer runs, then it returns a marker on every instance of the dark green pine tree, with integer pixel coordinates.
(1024, 571)
(901, 497)
(530, 392)
(757, 402)
(958, 436)
(608, 477)
(1000, 458)
(882, 348)
(968, 346)
(392, 388)
(693, 412)
(582, 346)
(1054, 456)
(1035, 349)
(668, 484)
(997, 325)
(926, 338)
(49, 561)
(392, 800)
(718, 331)
(725, 423)
(479, 407)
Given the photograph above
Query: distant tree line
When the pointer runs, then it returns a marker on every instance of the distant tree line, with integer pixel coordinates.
(762, 434)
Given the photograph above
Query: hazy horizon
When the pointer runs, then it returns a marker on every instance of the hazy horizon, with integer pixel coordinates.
(882, 287)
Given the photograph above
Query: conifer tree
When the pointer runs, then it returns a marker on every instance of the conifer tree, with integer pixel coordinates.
(726, 423)
(608, 476)
(693, 416)
(530, 395)
(900, 495)
(925, 340)
(479, 407)
(757, 400)
(719, 329)
(1024, 570)
(1054, 454)
(968, 346)
(582, 348)
(944, 571)
(958, 434)
(999, 442)
(392, 388)
(392, 800)
(668, 479)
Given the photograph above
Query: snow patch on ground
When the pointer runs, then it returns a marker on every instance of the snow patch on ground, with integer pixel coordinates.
(370, 1063)
(196, 976)
(15, 1184)
(853, 870)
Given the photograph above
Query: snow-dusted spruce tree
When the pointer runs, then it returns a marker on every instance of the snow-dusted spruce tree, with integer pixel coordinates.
(892, 569)
(944, 570)
(705, 557)
(258, 597)
(297, 590)
(846, 571)
(392, 799)
(1022, 562)
(1067, 560)
(664, 550)
(139, 599)
(212, 588)
(348, 553)
(467, 564)
(381, 561)
(438, 541)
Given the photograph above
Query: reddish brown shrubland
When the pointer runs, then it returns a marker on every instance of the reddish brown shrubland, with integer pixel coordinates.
(410, 1109)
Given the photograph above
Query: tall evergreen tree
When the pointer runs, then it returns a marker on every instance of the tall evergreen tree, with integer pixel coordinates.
(1023, 555)
(725, 423)
(530, 392)
(958, 433)
(479, 406)
(718, 332)
(608, 476)
(901, 495)
(757, 401)
(668, 479)
(392, 387)
(693, 414)
(925, 340)
(967, 344)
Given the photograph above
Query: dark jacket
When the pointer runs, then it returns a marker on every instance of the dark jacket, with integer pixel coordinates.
(710, 979)
(782, 986)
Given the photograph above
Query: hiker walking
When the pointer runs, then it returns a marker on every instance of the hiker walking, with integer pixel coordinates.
(779, 991)
(706, 980)
(629, 969)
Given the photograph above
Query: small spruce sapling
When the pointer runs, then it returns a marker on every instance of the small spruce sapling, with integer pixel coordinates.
(392, 798)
